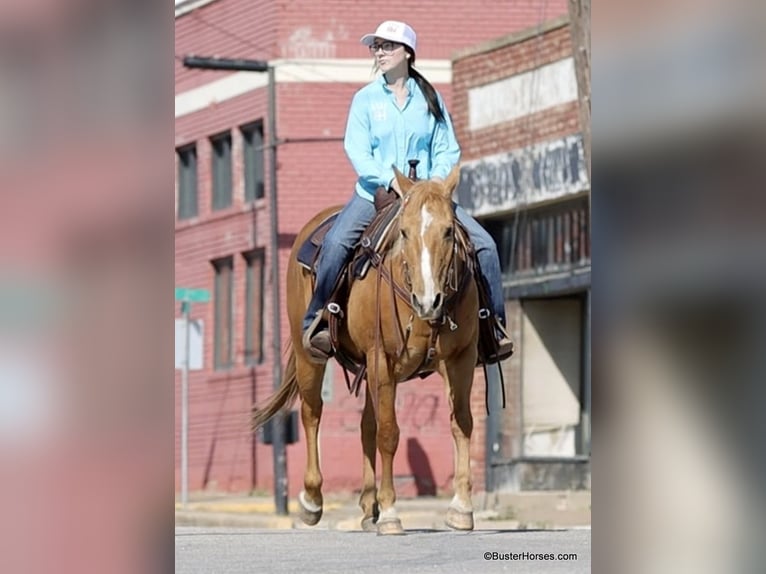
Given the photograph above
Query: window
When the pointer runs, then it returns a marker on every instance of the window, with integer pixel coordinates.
(252, 152)
(224, 305)
(546, 239)
(254, 282)
(221, 145)
(187, 181)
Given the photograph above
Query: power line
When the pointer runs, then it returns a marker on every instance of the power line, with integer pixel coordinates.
(251, 44)
(231, 34)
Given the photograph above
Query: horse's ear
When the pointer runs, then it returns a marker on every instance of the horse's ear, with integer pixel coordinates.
(405, 183)
(453, 179)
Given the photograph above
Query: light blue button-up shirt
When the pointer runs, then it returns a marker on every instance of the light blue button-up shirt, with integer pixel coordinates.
(379, 135)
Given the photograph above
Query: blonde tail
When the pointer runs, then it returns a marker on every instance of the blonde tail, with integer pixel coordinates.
(282, 399)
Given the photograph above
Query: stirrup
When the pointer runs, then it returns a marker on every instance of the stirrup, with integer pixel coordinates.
(504, 344)
(316, 341)
(504, 349)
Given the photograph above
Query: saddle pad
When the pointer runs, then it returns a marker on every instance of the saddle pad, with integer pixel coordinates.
(308, 251)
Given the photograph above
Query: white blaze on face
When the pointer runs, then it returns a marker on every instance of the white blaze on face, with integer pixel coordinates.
(429, 286)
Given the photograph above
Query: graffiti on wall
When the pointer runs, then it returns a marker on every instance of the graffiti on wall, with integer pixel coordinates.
(416, 412)
(305, 42)
(524, 176)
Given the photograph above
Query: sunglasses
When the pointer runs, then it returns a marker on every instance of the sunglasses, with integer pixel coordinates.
(387, 47)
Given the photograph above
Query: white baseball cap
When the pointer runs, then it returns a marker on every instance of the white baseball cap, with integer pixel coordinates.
(394, 31)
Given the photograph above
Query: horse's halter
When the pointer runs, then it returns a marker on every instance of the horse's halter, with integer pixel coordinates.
(450, 283)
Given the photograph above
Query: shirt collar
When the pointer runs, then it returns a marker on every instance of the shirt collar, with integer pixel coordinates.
(410, 84)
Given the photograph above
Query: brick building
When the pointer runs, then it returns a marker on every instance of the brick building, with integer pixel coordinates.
(222, 226)
(515, 109)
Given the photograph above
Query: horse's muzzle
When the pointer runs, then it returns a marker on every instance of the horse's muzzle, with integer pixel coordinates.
(428, 309)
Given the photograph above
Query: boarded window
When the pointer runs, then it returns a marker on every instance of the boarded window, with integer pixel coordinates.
(224, 305)
(543, 240)
(254, 295)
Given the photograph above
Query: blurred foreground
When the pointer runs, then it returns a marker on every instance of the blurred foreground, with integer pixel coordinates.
(86, 253)
(679, 249)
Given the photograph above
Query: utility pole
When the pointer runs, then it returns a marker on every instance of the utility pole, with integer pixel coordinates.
(579, 26)
(278, 437)
(278, 423)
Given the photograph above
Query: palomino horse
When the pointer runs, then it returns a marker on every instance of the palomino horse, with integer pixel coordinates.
(438, 328)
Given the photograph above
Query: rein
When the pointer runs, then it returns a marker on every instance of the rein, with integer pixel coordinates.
(404, 294)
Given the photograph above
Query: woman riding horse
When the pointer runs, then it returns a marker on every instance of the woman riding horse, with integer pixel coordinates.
(396, 118)
(392, 120)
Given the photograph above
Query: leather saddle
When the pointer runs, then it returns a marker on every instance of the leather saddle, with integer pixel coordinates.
(371, 244)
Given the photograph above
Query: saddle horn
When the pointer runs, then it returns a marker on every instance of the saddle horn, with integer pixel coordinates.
(413, 174)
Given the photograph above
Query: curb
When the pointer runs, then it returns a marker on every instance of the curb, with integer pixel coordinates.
(229, 520)
(411, 521)
(511, 511)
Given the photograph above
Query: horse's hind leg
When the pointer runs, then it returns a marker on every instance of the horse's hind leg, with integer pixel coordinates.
(310, 383)
(368, 499)
(458, 375)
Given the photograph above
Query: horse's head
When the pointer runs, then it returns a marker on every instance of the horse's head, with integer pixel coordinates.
(427, 239)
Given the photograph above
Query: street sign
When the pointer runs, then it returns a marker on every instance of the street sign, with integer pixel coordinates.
(194, 295)
(187, 297)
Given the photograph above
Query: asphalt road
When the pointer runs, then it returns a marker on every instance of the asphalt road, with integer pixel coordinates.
(231, 551)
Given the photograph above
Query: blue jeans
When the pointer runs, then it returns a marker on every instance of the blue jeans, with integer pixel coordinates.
(348, 228)
(337, 246)
(489, 261)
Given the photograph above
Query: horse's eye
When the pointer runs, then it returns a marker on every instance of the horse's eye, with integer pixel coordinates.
(448, 233)
(403, 233)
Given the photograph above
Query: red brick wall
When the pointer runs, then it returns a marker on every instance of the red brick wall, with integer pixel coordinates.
(310, 176)
(499, 63)
(442, 26)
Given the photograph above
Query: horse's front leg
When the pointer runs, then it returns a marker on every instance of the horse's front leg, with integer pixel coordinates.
(387, 439)
(368, 499)
(310, 382)
(458, 376)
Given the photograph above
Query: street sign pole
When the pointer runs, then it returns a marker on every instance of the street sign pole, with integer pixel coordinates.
(185, 407)
(186, 296)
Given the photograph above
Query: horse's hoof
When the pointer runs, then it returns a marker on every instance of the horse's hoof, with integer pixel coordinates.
(369, 524)
(390, 526)
(310, 518)
(310, 513)
(459, 520)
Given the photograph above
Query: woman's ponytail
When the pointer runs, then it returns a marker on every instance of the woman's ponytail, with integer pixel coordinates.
(425, 86)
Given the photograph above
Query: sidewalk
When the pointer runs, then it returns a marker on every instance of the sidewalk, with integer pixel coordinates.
(505, 511)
